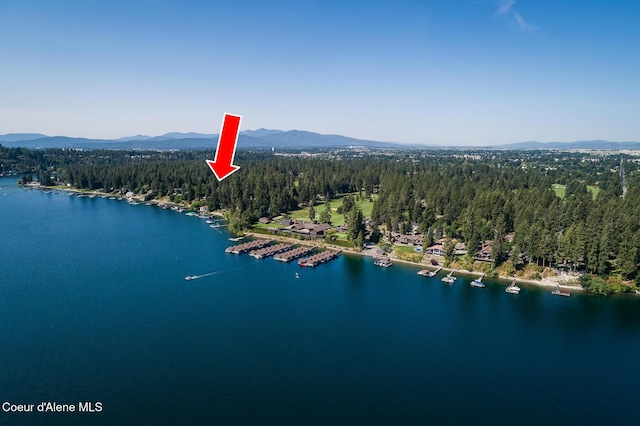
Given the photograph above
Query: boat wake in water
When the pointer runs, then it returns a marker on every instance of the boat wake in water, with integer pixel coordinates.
(195, 277)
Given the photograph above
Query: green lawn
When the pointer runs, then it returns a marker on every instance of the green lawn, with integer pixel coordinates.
(594, 190)
(561, 189)
(407, 253)
(266, 226)
(336, 219)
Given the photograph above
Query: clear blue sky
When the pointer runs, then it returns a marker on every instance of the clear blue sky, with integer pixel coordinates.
(431, 71)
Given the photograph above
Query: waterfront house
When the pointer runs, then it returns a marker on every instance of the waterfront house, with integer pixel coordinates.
(484, 254)
(310, 229)
(415, 240)
(319, 231)
(436, 250)
(460, 249)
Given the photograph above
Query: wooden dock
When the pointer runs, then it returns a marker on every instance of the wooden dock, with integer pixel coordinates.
(428, 273)
(270, 250)
(560, 292)
(295, 253)
(247, 247)
(318, 259)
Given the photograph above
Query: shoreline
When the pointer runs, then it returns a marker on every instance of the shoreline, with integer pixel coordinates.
(545, 283)
(138, 198)
(539, 283)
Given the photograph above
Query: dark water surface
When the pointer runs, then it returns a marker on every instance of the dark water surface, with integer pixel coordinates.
(94, 307)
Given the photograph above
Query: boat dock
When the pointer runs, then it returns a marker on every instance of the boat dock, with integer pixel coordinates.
(295, 253)
(247, 247)
(513, 288)
(270, 250)
(478, 282)
(318, 259)
(428, 273)
(449, 279)
(560, 292)
(384, 263)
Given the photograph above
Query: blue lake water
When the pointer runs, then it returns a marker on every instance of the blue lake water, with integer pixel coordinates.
(94, 307)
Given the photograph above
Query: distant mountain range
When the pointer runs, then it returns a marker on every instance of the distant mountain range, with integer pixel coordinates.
(249, 139)
(266, 139)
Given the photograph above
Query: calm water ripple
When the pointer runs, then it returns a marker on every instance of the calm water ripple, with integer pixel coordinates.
(94, 307)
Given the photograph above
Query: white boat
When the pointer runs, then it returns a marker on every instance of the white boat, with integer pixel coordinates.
(383, 263)
(449, 279)
(513, 288)
(188, 278)
(297, 276)
(478, 282)
(428, 273)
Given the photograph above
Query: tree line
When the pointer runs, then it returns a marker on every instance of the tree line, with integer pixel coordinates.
(472, 196)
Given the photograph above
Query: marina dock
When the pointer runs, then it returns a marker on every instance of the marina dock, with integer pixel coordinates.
(295, 253)
(318, 259)
(270, 250)
(247, 247)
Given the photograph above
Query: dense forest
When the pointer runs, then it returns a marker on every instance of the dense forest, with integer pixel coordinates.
(591, 224)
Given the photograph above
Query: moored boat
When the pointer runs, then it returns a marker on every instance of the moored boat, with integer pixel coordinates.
(478, 282)
(449, 279)
(384, 263)
(513, 288)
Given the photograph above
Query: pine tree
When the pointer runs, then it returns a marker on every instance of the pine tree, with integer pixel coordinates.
(325, 216)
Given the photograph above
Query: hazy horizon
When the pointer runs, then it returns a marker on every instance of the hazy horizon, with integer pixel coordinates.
(486, 72)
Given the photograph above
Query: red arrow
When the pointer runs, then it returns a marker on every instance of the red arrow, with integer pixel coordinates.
(222, 165)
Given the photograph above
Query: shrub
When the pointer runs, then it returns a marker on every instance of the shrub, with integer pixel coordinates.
(596, 285)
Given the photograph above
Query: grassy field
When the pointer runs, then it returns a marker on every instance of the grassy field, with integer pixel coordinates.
(594, 190)
(271, 229)
(561, 190)
(336, 219)
(407, 253)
